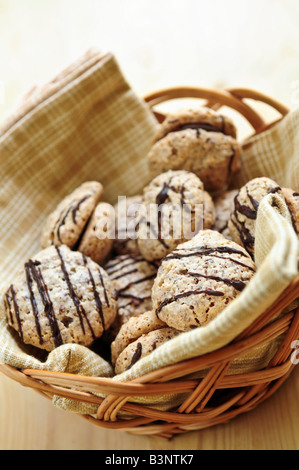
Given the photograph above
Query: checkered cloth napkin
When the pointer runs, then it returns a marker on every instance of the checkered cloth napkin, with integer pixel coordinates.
(88, 124)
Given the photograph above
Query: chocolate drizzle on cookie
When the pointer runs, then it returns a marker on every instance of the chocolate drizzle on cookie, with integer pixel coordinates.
(79, 308)
(123, 261)
(40, 307)
(160, 200)
(163, 194)
(133, 271)
(201, 126)
(236, 284)
(187, 294)
(275, 190)
(28, 267)
(73, 210)
(34, 276)
(7, 298)
(246, 236)
(131, 267)
(76, 208)
(292, 219)
(12, 294)
(198, 126)
(293, 222)
(206, 270)
(104, 288)
(211, 252)
(136, 356)
(95, 292)
(137, 281)
(135, 299)
(34, 273)
(245, 210)
(129, 260)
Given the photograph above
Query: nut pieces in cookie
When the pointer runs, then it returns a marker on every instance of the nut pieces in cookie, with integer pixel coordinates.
(292, 201)
(60, 297)
(175, 207)
(224, 206)
(133, 278)
(246, 203)
(201, 141)
(139, 337)
(142, 347)
(66, 224)
(132, 330)
(96, 241)
(199, 279)
(126, 212)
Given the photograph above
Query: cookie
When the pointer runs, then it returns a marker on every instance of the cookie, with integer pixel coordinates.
(132, 330)
(209, 211)
(132, 278)
(224, 205)
(97, 240)
(201, 141)
(175, 207)
(66, 224)
(201, 118)
(142, 347)
(60, 297)
(126, 214)
(199, 279)
(246, 203)
(292, 200)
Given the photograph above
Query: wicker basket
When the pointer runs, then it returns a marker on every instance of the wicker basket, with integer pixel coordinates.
(216, 398)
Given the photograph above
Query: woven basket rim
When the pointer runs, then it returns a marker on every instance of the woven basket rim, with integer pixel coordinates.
(235, 98)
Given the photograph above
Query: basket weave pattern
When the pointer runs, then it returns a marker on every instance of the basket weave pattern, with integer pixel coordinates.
(216, 398)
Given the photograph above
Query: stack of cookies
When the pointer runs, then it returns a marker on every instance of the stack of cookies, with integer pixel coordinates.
(164, 262)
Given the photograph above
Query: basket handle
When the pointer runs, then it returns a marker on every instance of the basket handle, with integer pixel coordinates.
(232, 98)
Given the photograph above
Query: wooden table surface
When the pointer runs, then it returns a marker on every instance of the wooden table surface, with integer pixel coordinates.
(31, 422)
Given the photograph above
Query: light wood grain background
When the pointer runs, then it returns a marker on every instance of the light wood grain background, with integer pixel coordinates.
(158, 43)
(30, 422)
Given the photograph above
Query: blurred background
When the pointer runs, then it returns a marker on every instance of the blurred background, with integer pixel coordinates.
(158, 43)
